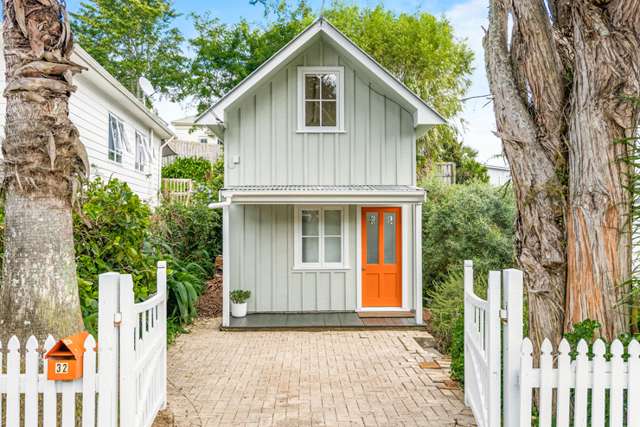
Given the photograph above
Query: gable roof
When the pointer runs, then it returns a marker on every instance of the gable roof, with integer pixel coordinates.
(423, 115)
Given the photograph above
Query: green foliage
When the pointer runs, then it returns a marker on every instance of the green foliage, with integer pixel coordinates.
(114, 232)
(195, 168)
(133, 38)
(239, 296)
(457, 350)
(192, 233)
(474, 221)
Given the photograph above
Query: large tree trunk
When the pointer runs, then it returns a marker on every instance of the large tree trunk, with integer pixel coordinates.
(558, 88)
(42, 157)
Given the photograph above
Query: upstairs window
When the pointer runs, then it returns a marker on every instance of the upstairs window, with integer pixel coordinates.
(203, 140)
(117, 139)
(143, 152)
(321, 100)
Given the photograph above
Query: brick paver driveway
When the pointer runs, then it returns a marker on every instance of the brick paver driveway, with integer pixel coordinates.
(308, 378)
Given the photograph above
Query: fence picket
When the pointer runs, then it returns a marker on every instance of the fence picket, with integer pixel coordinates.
(13, 384)
(526, 365)
(32, 362)
(49, 396)
(581, 389)
(546, 381)
(598, 388)
(564, 384)
(633, 394)
(68, 404)
(617, 384)
(89, 383)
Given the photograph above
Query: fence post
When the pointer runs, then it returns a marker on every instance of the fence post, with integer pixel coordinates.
(161, 289)
(512, 344)
(108, 284)
(493, 348)
(468, 323)
(127, 355)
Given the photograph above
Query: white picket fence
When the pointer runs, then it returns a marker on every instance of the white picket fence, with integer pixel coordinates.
(587, 390)
(124, 386)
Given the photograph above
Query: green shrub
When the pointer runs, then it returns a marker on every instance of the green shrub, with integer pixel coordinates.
(190, 232)
(195, 168)
(447, 307)
(474, 221)
(457, 350)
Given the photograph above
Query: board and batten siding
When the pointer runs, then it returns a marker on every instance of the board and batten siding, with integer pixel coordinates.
(89, 109)
(262, 261)
(376, 147)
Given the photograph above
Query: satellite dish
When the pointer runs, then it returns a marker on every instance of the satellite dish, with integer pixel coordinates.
(146, 86)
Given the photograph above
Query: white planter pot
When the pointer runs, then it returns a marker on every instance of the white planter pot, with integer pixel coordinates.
(238, 310)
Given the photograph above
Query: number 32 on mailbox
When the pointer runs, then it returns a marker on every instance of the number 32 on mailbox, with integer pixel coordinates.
(65, 358)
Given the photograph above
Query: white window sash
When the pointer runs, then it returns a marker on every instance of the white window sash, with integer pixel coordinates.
(319, 70)
(321, 264)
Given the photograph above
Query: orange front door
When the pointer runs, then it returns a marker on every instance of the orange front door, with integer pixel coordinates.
(381, 257)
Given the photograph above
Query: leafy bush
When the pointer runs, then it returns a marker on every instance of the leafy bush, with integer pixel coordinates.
(190, 232)
(474, 221)
(195, 168)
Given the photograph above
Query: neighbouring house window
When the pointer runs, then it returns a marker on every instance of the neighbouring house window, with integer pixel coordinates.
(117, 139)
(143, 152)
(320, 237)
(203, 140)
(320, 99)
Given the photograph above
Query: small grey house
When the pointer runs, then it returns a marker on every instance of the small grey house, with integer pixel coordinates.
(320, 205)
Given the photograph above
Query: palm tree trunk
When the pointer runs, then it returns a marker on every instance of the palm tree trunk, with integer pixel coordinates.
(42, 158)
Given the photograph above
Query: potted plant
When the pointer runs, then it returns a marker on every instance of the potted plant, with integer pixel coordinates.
(239, 299)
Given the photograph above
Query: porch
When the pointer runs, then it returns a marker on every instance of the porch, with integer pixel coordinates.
(327, 320)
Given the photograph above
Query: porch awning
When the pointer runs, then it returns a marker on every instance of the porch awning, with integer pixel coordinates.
(322, 194)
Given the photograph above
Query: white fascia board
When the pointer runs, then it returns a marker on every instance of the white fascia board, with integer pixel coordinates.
(216, 112)
(423, 113)
(155, 122)
(309, 197)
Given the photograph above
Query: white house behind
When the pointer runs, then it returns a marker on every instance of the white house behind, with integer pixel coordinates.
(123, 138)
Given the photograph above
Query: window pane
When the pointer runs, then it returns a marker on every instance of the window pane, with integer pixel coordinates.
(329, 86)
(312, 113)
(332, 223)
(332, 249)
(310, 223)
(311, 87)
(310, 249)
(372, 238)
(390, 238)
(328, 113)
(123, 138)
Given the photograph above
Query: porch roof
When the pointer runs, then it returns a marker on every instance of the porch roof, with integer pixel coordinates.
(322, 194)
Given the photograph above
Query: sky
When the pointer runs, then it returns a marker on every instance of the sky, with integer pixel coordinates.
(467, 17)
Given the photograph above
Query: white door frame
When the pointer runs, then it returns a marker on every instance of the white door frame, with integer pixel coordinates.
(405, 254)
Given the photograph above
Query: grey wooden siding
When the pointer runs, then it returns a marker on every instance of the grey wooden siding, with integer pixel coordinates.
(262, 261)
(377, 147)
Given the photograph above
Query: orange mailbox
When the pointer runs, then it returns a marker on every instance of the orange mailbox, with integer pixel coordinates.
(65, 358)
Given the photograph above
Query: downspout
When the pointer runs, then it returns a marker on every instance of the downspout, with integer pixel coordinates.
(226, 252)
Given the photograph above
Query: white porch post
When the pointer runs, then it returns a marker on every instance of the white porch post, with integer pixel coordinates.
(226, 264)
(418, 261)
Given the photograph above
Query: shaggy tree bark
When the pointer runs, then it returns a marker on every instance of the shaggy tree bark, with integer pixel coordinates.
(42, 158)
(561, 86)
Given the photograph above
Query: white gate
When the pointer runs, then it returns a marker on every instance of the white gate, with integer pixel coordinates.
(590, 389)
(127, 385)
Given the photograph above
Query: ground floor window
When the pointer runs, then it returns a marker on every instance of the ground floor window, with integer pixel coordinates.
(320, 237)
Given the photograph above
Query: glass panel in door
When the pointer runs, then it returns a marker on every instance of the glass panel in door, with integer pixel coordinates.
(373, 237)
(390, 237)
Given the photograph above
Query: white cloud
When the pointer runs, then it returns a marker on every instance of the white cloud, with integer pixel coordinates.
(468, 20)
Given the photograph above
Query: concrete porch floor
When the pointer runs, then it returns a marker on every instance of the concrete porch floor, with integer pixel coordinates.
(266, 321)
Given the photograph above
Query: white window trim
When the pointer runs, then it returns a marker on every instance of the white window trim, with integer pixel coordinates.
(147, 155)
(297, 243)
(339, 128)
(123, 141)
